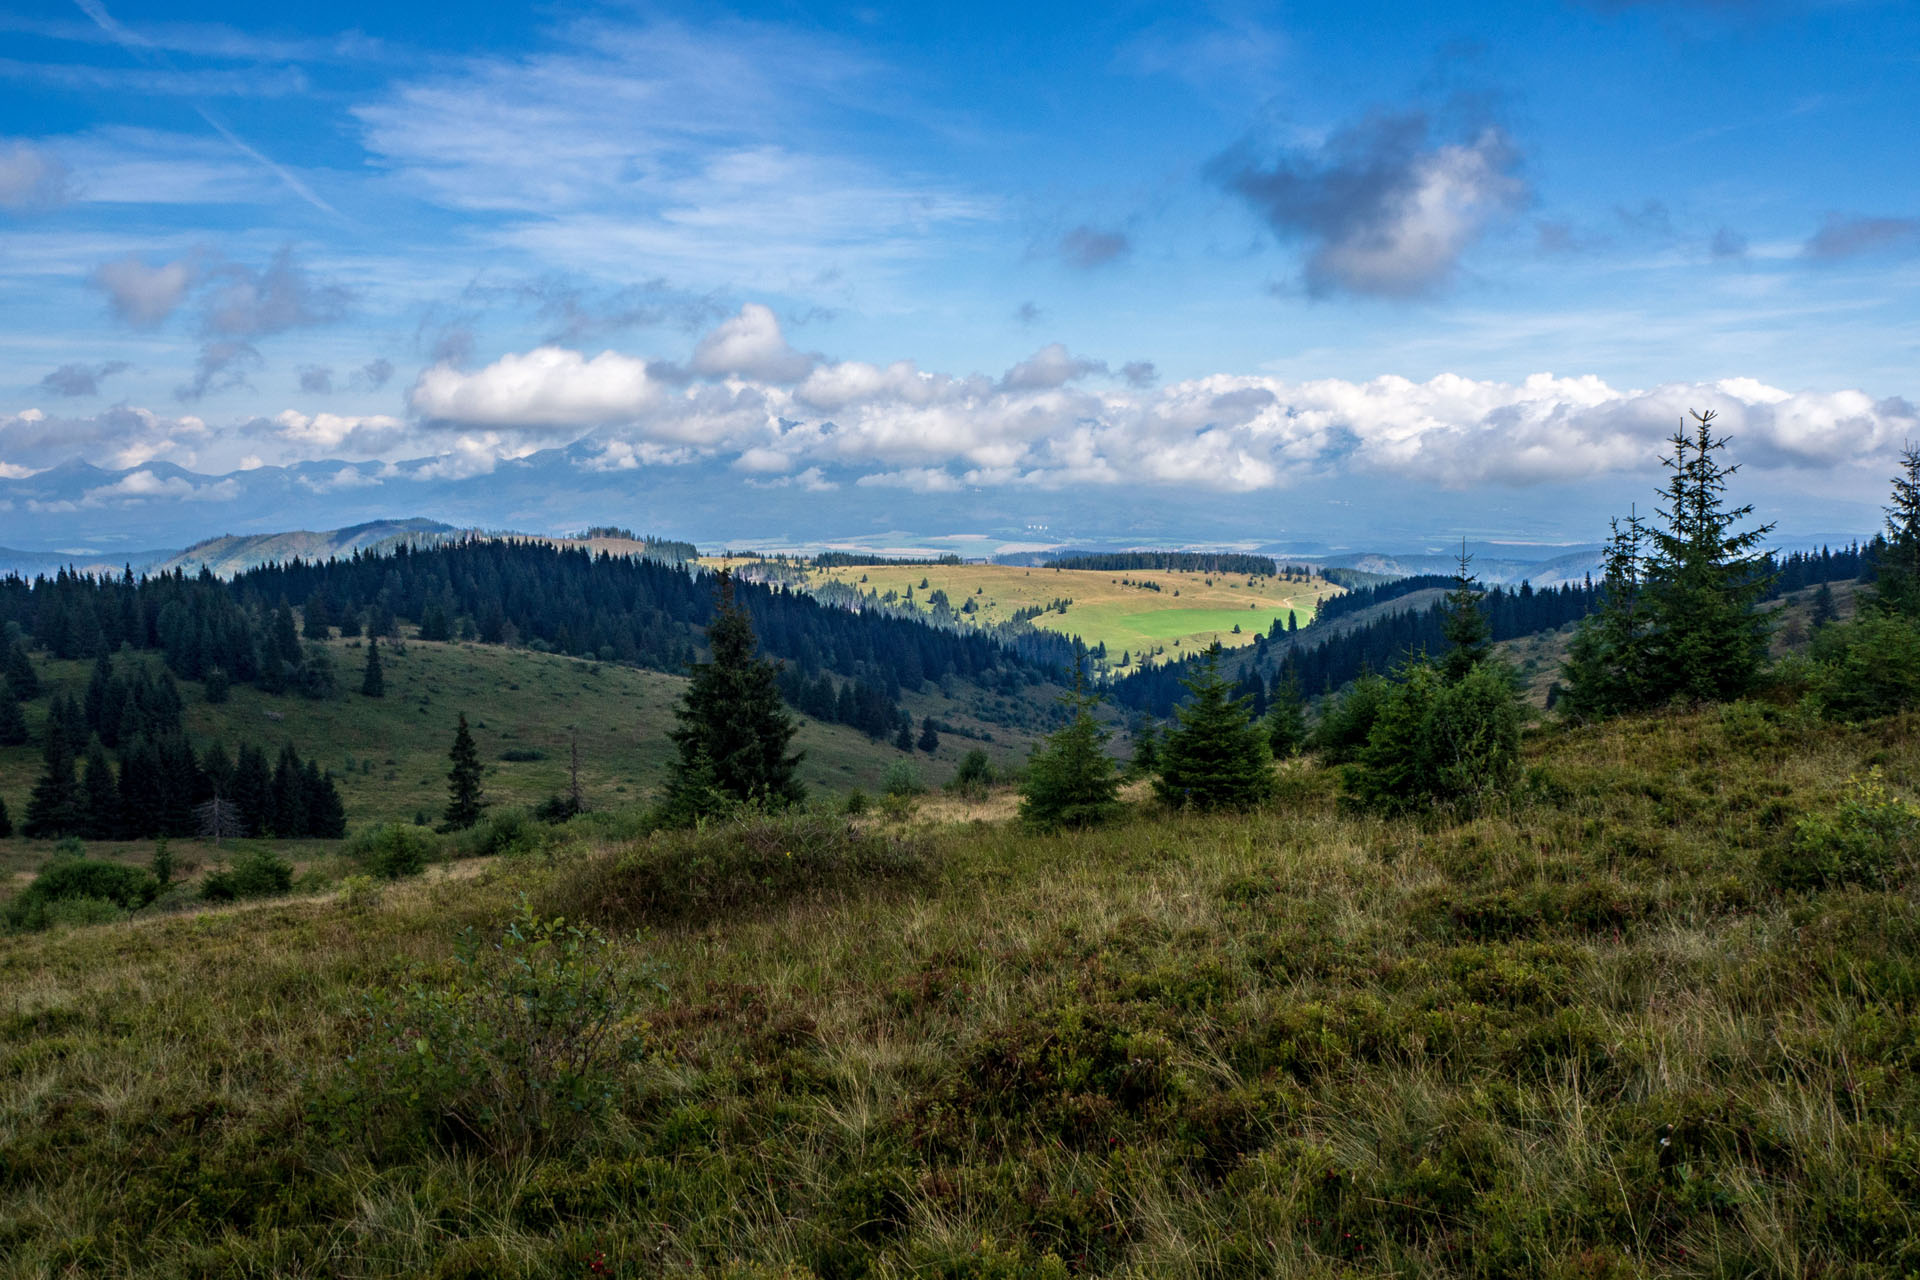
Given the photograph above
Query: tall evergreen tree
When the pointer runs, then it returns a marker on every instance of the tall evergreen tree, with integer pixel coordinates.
(1215, 757)
(53, 807)
(1707, 638)
(1286, 722)
(929, 736)
(1469, 637)
(731, 722)
(20, 672)
(99, 813)
(13, 719)
(1605, 672)
(6, 821)
(464, 799)
(1896, 569)
(1070, 779)
(1823, 611)
(373, 683)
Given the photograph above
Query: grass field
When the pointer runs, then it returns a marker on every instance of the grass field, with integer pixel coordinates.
(1585, 1036)
(1191, 610)
(389, 755)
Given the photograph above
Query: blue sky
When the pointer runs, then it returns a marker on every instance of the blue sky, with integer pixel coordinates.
(1254, 260)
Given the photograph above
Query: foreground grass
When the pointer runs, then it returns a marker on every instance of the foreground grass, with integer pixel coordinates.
(1583, 1037)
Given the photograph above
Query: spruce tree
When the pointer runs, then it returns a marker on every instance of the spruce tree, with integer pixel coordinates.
(464, 800)
(1215, 757)
(20, 672)
(1286, 722)
(1464, 624)
(929, 736)
(1707, 638)
(903, 736)
(1146, 751)
(373, 684)
(1823, 611)
(53, 806)
(1896, 570)
(1070, 778)
(1606, 669)
(733, 731)
(6, 821)
(13, 719)
(99, 813)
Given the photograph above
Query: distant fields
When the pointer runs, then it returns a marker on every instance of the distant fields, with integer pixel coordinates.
(1190, 610)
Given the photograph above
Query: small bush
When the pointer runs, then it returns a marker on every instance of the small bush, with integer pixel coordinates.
(523, 755)
(360, 893)
(69, 879)
(1870, 838)
(259, 874)
(505, 832)
(1439, 743)
(1347, 721)
(855, 804)
(902, 779)
(522, 1047)
(72, 912)
(974, 776)
(393, 851)
(725, 867)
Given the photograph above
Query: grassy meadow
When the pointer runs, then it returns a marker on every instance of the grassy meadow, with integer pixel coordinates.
(389, 755)
(1588, 1034)
(1190, 611)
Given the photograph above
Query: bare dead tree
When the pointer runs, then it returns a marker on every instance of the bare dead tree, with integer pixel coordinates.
(219, 819)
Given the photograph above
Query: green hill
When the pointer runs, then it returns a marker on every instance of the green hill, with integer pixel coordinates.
(1606, 1031)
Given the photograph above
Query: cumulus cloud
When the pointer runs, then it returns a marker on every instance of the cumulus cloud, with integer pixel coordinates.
(119, 437)
(81, 379)
(751, 345)
(1851, 236)
(1383, 207)
(142, 295)
(332, 435)
(1041, 425)
(1050, 366)
(1088, 247)
(139, 487)
(547, 387)
(30, 177)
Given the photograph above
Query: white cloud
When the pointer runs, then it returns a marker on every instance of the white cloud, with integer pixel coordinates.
(546, 387)
(751, 345)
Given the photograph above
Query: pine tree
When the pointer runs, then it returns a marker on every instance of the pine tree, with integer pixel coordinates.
(373, 684)
(53, 806)
(1605, 672)
(1823, 611)
(1896, 569)
(903, 736)
(13, 719)
(252, 788)
(6, 822)
(20, 672)
(929, 736)
(1070, 778)
(162, 865)
(733, 731)
(1286, 722)
(1146, 751)
(1215, 757)
(99, 813)
(317, 621)
(1707, 638)
(1464, 624)
(464, 799)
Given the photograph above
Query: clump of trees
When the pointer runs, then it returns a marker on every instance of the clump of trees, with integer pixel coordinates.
(1870, 665)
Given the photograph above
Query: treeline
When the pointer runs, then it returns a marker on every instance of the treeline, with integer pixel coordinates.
(856, 560)
(1378, 645)
(671, 550)
(1173, 561)
(615, 609)
(1356, 598)
(854, 703)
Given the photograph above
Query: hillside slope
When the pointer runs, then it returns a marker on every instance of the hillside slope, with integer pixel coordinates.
(1590, 1035)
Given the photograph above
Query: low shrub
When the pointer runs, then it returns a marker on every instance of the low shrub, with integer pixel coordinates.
(108, 890)
(261, 873)
(503, 832)
(522, 755)
(523, 1046)
(394, 850)
(747, 862)
(1869, 838)
(902, 779)
(974, 776)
